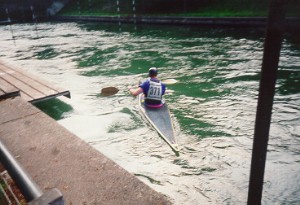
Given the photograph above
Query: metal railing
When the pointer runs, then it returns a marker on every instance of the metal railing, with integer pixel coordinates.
(30, 190)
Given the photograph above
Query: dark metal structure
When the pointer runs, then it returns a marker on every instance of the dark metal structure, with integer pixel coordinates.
(29, 10)
(28, 187)
(31, 191)
(272, 46)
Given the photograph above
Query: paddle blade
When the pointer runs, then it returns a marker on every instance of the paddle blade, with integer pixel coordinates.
(169, 81)
(108, 91)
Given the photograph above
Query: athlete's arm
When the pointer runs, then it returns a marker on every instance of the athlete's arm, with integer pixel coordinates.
(135, 91)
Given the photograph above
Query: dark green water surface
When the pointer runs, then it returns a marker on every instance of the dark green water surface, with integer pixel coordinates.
(213, 104)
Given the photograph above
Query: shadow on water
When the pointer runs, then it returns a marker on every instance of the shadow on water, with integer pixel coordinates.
(47, 53)
(55, 108)
(288, 81)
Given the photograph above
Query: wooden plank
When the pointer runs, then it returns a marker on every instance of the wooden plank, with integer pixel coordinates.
(29, 81)
(4, 95)
(34, 78)
(65, 93)
(7, 90)
(5, 86)
(32, 88)
(25, 89)
(26, 97)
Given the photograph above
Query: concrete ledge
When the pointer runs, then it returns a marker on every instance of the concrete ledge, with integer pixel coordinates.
(55, 158)
(52, 197)
(291, 22)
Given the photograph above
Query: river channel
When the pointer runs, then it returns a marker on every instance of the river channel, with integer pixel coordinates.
(213, 104)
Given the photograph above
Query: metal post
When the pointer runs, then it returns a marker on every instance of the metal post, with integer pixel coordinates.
(134, 13)
(34, 18)
(184, 6)
(272, 46)
(90, 5)
(119, 14)
(10, 22)
(78, 8)
(27, 186)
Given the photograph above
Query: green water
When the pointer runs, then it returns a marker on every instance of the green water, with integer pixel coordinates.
(213, 103)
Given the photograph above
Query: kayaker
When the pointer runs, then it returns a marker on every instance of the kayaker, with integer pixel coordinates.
(152, 88)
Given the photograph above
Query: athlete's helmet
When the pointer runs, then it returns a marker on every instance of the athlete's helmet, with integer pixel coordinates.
(153, 71)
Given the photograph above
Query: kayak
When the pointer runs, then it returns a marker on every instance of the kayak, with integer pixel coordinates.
(161, 121)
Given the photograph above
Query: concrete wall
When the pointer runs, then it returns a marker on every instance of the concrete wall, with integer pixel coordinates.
(23, 10)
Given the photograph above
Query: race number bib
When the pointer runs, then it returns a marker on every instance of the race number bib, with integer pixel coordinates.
(155, 91)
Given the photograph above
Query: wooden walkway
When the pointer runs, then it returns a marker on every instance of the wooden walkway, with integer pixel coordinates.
(14, 82)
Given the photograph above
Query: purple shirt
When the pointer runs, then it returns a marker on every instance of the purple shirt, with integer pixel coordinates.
(156, 93)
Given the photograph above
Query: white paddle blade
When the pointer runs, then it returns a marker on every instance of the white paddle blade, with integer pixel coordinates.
(169, 81)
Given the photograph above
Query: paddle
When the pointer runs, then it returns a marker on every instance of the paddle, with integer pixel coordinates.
(169, 81)
(109, 91)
